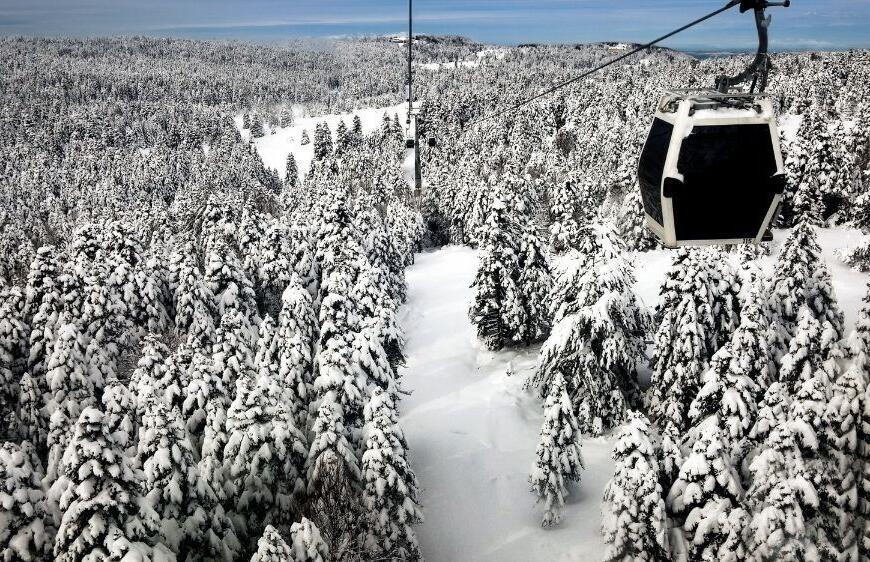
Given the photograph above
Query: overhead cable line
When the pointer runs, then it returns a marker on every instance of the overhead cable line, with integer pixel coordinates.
(514, 107)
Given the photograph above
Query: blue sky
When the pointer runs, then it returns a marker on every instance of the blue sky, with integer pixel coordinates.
(817, 24)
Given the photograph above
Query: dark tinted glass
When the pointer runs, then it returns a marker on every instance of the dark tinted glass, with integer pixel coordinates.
(651, 167)
(728, 188)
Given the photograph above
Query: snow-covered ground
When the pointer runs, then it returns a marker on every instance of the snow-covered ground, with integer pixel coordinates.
(497, 54)
(274, 148)
(473, 430)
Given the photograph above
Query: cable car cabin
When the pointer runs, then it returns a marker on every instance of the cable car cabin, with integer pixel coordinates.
(711, 171)
(409, 143)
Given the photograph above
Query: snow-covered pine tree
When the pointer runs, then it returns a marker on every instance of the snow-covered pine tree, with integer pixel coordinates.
(565, 229)
(23, 533)
(304, 139)
(632, 224)
(683, 340)
(812, 347)
(839, 498)
(808, 421)
(705, 496)
(801, 278)
(497, 310)
(97, 492)
(232, 355)
(150, 371)
(390, 494)
(271, 547)
(187, 517)
(750, 342)
(71, 390)
(342, 138)
(731, 398)
(776, 498)
(859, 339)
(558, 457)
(634, 521)
(535, 283)
(264, 457)
(31, 416)
(257, 126)
(226, 279)
(596, 342)
(296, 334)
(332, 475)
(725, 289)
(291, 172)
(306, 542)
(119, 415)
(322, 141)
(13, 339)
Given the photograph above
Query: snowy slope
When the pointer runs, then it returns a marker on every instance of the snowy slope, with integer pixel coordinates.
(472, 430)
(274, 148)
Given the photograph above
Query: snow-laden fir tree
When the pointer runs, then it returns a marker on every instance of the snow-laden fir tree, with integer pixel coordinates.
(322, 141)
(558, 458)
(812, 347)
(390, 494)
(859, 339)
(750, 342)
(306, 543)
(304, 139)
(839, 497)
(227, 281)
(264, 457)
(296, 334)
(565, 229)
(98, 490)
(119, 414)
(340, 377)
(776, 498)
(810, 425)
(23, 532)
(291, 172)
(232, 354)
(725, 289)
(497, 310)
(801, 278)
(634, 520)
(71, 388)
(728, 400)
(535, 283)
(596, 341)
(332, 473)
(683, 340)
(271, 547)
(185, 514)
(706, 499)
(632, 224)
(13, 338)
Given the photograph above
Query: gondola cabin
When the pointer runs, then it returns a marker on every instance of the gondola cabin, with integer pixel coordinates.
(711, 171)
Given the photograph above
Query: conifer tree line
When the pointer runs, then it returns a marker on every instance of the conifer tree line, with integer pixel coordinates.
(217, 378)
(200, 360)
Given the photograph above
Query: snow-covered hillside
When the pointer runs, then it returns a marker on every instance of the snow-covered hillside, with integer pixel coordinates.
(473, 428)
(281, 141)
(473, 431)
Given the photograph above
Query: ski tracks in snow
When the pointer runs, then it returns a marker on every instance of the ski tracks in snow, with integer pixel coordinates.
(472, 432)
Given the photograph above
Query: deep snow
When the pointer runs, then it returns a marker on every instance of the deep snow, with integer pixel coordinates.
(472, 429)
